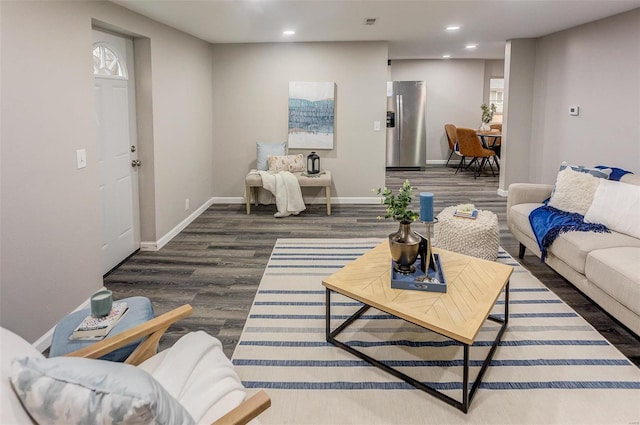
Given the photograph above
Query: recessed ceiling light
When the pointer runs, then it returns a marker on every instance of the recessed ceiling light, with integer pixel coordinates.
(288, 32)
(470, 46)
(446, 56)
(453, 27)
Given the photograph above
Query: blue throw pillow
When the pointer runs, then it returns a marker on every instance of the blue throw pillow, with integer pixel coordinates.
(268, 149)
(602, 173)
(616, 173)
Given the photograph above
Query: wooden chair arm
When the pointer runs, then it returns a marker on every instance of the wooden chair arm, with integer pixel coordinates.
(247, 410)
(153, 328)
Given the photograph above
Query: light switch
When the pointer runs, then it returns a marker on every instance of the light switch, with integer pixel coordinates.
(376, 126)
(81, 158)
(574, 110)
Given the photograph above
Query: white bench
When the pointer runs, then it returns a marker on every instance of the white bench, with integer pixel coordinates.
(253, 183)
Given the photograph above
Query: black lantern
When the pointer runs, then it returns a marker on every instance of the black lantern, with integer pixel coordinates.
(313, 163)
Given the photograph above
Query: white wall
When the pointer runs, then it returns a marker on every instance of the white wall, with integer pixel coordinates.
(518, 106)
(50, 211)
(454, 96)
(597, 67)
(50, 242)
(250, 102)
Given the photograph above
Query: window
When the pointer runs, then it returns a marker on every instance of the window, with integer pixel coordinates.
(496, 96)
(106, 63)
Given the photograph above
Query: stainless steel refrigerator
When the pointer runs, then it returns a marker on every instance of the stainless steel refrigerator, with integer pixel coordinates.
(406, 127)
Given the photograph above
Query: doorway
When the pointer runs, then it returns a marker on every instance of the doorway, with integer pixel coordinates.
(118, 162)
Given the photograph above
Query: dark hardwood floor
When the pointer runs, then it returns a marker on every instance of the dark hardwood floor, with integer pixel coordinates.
(217, 262)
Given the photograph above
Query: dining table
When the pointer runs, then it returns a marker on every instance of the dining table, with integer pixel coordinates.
(490, 140)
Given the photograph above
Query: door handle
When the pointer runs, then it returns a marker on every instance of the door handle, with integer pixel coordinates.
(400, 115)
(136, 163)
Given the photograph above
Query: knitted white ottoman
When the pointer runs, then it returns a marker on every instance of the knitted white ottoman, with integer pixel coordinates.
(477, 237)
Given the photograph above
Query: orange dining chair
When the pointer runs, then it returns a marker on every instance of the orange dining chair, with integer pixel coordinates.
(452, 139)
(497, 141)
(471, 146)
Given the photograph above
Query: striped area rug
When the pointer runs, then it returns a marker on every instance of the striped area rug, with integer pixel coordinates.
(552, 367)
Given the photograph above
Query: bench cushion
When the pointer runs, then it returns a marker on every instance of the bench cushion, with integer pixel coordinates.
(253, 179)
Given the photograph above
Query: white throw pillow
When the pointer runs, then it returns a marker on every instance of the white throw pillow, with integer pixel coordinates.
(617, 206)
(574, 191)
(72, 390)
(291, 163)
(264, 150)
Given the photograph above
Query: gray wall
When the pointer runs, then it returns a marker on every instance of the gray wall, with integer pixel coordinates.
(50, 241)
(516, 129)
(597, 67)
(454, 95)
(250, 91)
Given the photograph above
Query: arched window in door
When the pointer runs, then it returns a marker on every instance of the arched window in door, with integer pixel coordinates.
(107, 63)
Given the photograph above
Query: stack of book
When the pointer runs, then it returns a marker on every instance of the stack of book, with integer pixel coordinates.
(472, 214)
(99, 327)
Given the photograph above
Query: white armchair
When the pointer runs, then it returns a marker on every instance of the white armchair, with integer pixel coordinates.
(194, 372)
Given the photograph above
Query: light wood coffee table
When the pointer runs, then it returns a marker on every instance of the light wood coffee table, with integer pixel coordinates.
(473, 287)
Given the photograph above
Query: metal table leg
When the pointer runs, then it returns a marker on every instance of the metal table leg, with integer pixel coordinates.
(467, 394)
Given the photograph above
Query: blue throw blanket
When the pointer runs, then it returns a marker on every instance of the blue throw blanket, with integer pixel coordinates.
(548, 223)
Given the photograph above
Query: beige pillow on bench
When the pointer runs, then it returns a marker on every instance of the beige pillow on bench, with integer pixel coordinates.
(291, 163)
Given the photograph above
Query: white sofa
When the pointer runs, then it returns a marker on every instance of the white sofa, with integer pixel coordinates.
(604, 266)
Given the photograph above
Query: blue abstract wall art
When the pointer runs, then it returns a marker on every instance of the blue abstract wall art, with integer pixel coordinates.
(311, 115)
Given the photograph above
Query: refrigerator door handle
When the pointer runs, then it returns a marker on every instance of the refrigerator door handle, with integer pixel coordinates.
(400, 119)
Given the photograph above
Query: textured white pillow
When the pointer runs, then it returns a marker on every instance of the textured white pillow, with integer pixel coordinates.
(72, 390)
(574, 191)
(617, 206)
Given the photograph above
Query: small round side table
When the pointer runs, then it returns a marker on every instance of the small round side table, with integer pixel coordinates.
(140, 311)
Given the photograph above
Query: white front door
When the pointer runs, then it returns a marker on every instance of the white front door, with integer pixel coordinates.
(117, 148)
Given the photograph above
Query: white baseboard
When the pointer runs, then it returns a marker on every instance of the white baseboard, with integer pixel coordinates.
(317, 200)
(503, 193)
(228, 200)
(44, 342)
(154, 246)
(436, 161)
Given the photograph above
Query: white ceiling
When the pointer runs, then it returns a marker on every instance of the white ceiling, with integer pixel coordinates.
(414, 29)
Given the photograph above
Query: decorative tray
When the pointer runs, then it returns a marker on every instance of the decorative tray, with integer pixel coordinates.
(413, 281)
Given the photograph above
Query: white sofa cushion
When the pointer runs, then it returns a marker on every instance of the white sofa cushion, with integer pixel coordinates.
(12, 345)
(617, 206)
(519, 216)
(573, 247)
(73, 390)
(617, 272)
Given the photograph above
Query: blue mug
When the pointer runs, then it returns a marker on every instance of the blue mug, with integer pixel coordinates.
(101, 303)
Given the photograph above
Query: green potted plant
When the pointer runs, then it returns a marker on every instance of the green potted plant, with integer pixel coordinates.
(405, 243)
(487, 115)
